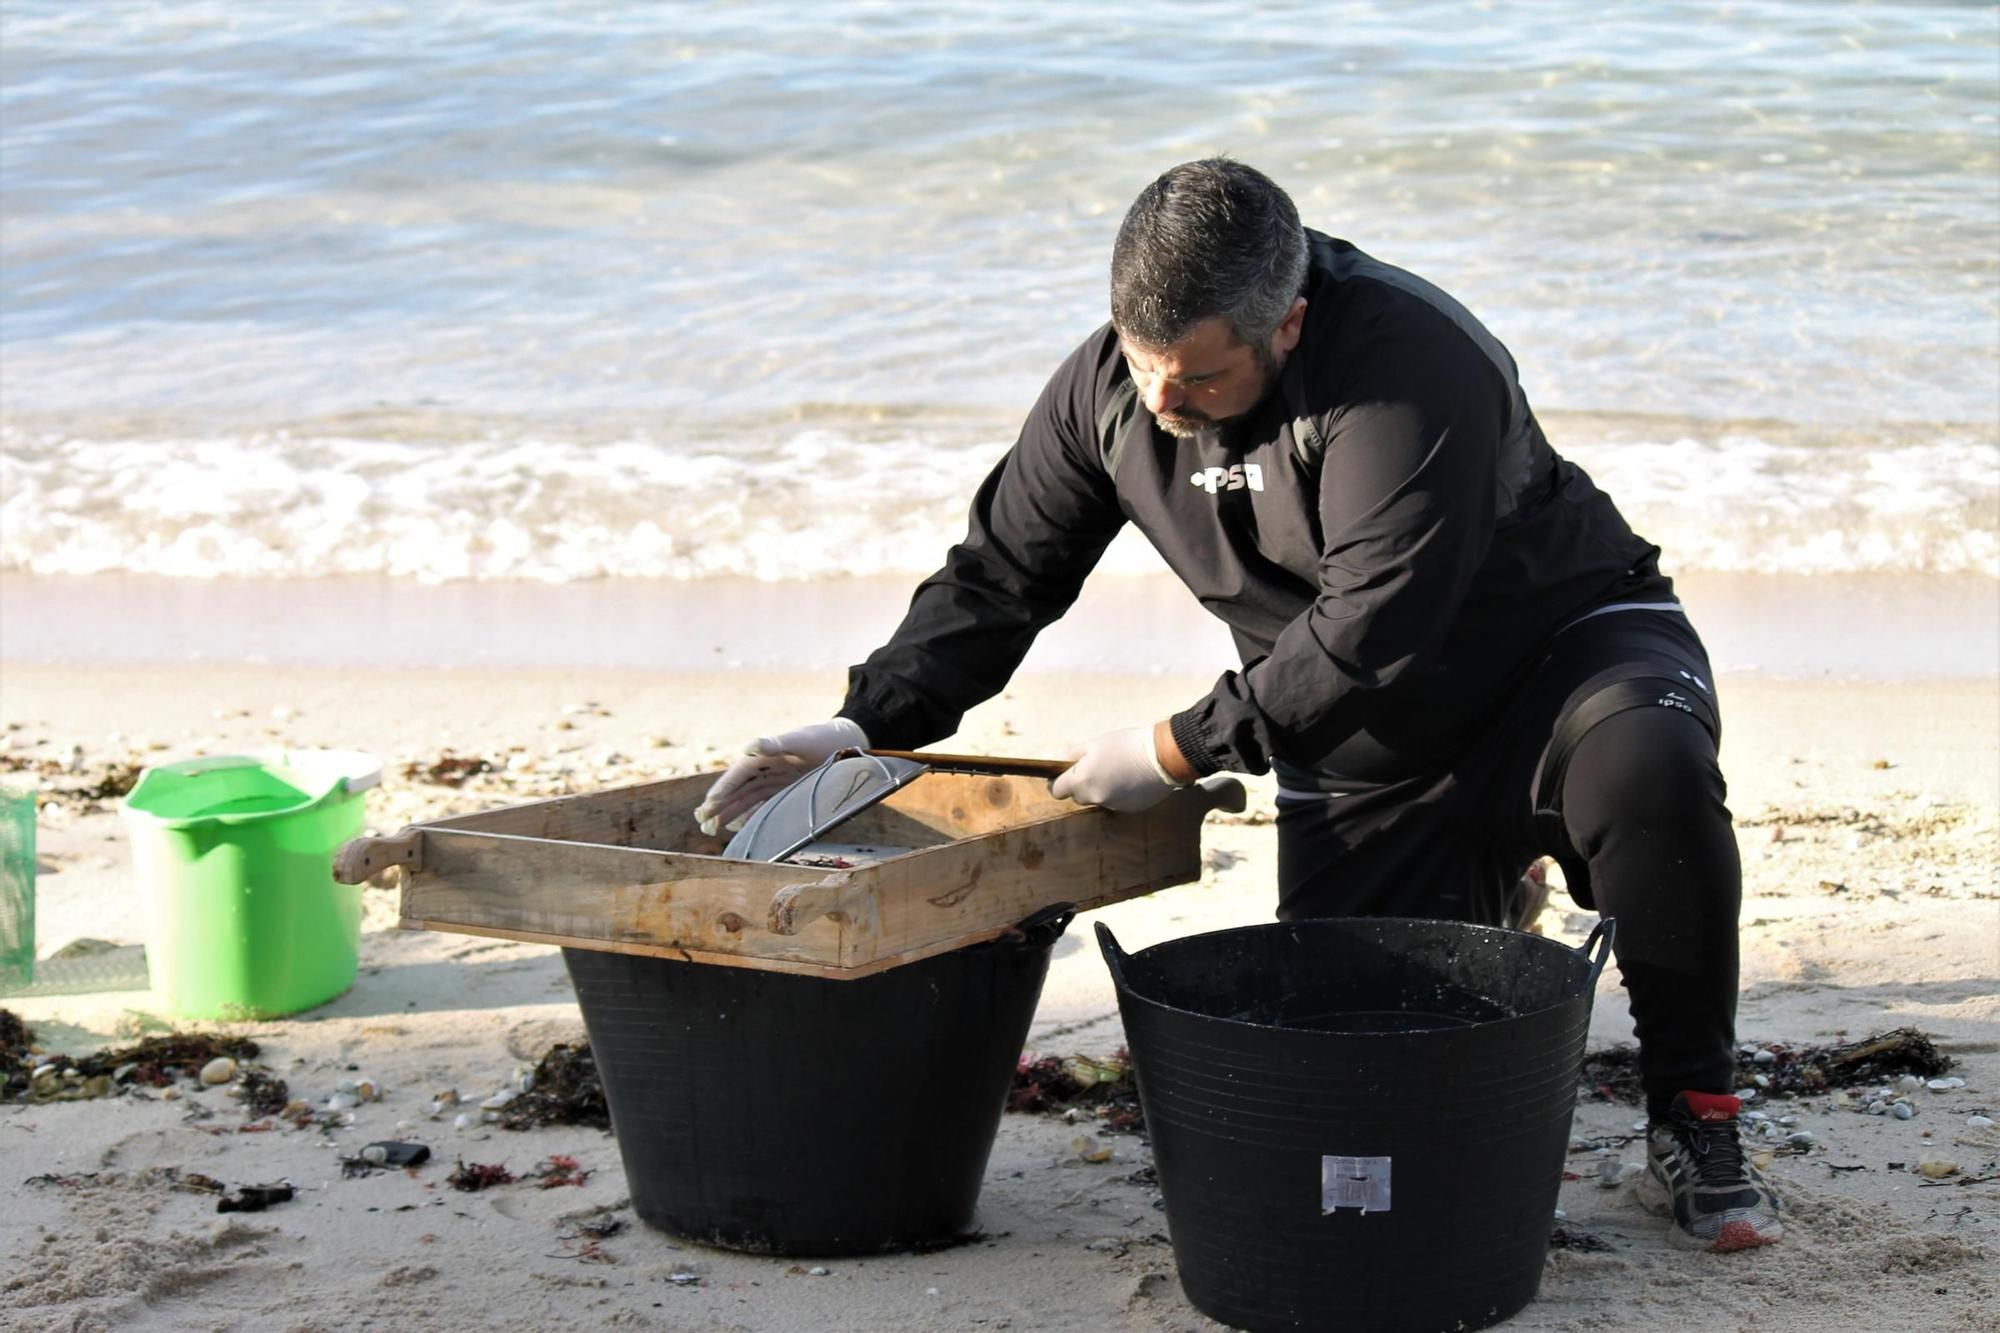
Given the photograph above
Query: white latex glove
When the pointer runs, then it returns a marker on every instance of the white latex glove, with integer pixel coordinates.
(768, 766)
(1119, 771)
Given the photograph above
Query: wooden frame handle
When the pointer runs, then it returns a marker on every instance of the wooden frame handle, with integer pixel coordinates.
(362, 859)
(797, 906)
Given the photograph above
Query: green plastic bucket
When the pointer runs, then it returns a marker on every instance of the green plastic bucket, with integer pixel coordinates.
(235, 856)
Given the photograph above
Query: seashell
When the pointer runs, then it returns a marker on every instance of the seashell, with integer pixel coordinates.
(375, 1154)
(1979, 1121)
(1908, 1083)
(368, 1090)
(346, 1085)
(499, 1099)
(1802, 1139)
(1903, 1111)
(1765, 1057)
(464, 1120)
(341, 1101)
(1937, 1168)
(218, 1071)
(1945, 1084)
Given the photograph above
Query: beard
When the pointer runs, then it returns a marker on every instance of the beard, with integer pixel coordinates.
(1191, 421)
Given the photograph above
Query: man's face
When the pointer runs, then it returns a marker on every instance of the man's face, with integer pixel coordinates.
(1208, 378)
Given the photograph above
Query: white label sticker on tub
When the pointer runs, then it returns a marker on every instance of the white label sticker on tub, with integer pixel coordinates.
(1354, 1182)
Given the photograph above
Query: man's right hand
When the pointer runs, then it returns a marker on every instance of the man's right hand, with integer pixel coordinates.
(768, 766)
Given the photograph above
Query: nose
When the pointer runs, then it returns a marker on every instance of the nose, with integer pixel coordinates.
(1160, 395)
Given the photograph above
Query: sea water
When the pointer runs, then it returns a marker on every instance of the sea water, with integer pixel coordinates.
(566, 291)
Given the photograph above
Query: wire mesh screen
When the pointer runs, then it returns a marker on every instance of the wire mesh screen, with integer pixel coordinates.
(17, 887)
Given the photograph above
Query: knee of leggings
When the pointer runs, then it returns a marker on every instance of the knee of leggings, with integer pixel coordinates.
(1652, 765)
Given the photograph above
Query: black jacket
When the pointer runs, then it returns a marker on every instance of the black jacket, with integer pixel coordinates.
(1388, 536)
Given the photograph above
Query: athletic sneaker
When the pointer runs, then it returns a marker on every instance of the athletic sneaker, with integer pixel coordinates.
(1696, 1170)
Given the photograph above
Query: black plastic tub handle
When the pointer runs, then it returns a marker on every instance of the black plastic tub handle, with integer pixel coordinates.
(1114, 957)
(1606, 930)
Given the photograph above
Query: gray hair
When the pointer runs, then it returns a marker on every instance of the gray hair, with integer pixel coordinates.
(1208, 238)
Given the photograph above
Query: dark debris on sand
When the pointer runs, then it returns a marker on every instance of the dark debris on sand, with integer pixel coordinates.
(155, 1061)
(478, 1176)
(448, 769)
(1104, 1089)
(567, 1091)
(1612, 1074)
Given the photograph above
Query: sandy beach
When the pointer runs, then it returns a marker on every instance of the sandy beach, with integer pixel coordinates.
(1867, 817)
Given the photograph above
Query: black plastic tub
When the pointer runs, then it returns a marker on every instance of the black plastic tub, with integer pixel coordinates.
(1358, 1124)
(793, 1115)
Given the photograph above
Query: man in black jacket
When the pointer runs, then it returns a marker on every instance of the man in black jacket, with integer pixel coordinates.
(1457, 657)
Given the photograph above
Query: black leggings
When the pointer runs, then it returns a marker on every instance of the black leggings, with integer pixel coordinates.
(1636, 818)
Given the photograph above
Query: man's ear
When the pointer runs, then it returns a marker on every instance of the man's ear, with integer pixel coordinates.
(1287, 335)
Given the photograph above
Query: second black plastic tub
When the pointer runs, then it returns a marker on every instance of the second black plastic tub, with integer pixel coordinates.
(795, 1115)
(1358, 1124)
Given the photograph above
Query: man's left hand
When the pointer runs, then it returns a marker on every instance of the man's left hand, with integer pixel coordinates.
(1119, 771)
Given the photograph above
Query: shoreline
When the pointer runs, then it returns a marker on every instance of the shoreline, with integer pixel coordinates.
(1872, 627)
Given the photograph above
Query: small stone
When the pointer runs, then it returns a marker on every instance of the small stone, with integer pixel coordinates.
(1761, 1080)
(684, 1279)
(170, 1094)
(1877, 1108)
(342, 1101)
(499, 1100)
(218, 1071)
(932, 1291)
(1765, 1057)
(346, 1085)
(368, 1090)
(1908, 1083)
(1979, 1121)
(297, 1106)
(1937, 1168)
(464, 1120)
(1903, 1111)
(1788, 1120)
(1089, 1148)
(1607, 1173)
(1802, 1139)
(375, 1155)
(817, 1270)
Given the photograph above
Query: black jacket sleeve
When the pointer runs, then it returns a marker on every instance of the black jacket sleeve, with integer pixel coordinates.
(1406, 505)
(1039, 524)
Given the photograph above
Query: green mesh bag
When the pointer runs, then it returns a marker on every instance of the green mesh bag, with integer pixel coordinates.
(17, 888)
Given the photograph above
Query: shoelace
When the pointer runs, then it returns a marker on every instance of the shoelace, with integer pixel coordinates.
(1716, 1150)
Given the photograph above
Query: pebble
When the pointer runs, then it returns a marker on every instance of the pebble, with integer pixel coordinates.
(170, 1095)
(1937, 1168)
(1979, 1121)
(1761, 1080)
(1802, 1139)
(375, 1155)
(341, 1101)
(464, 1120)
(1877, 1108)
(932, 1291)
(368, 1090)
(1903, 1111)
(817, 1271)
(1765, 1057)
(1788, 1120)
(218, 1071)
